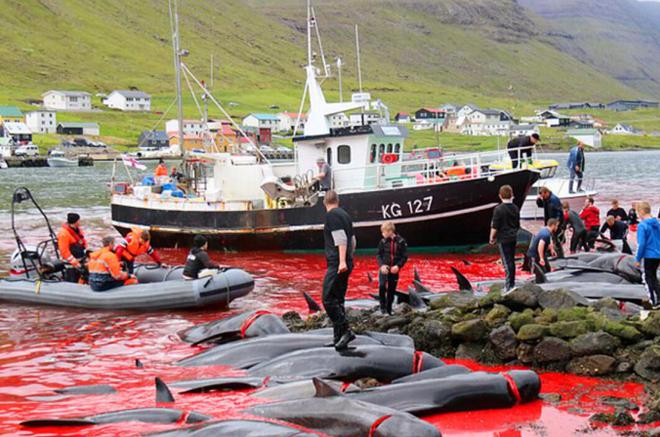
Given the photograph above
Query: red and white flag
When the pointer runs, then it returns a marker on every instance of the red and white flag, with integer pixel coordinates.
(129, 161)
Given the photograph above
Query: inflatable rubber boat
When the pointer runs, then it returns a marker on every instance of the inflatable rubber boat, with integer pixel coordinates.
(37, 273)
(159, 289)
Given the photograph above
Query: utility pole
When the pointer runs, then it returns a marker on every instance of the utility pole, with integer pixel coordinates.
(212, 71)
(341, 93)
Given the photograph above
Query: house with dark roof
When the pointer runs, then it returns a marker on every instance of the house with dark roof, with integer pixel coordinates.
(630, 105)
(154, 139)
(433, 115)
(78, 128)
(577, 105)
(128, 100)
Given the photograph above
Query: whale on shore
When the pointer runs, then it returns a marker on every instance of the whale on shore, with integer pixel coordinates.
(236, 427)
(245, 325)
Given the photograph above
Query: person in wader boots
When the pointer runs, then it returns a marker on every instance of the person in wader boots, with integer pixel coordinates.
(339, 247)
(72, 246)
(392, 256)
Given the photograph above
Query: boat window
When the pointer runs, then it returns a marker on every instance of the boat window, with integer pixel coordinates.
(381, 150)
(329, 156)
(372, 156)
(344, 154)
(397, 148)
(389, 148)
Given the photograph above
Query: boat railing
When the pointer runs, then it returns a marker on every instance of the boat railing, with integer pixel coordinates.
(400, 173)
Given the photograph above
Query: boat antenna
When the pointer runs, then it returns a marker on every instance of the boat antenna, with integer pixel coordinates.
(178, 53)
(357, 50)
(309, 33)
(326, 66)
(341, 93)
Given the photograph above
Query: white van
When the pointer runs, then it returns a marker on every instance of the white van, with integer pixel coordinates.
(30, 150)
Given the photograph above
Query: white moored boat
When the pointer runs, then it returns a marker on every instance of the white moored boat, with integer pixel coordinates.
(57, 158)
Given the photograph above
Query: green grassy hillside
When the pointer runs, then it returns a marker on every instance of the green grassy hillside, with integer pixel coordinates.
(415, 53)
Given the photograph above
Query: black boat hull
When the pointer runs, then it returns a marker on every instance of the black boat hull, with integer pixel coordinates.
(447, 214)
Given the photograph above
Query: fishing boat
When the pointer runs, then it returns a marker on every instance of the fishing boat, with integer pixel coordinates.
(245, 202)
(57, 158)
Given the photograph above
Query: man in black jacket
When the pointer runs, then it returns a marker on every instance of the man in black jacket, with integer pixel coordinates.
(522, 146)
(198, 259)
(392, 256)
(504, 231)
(339, 247)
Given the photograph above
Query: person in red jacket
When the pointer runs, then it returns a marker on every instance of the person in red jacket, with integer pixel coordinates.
(590, 214)
(136, 243)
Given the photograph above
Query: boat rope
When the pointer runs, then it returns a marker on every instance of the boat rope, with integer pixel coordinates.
(344, 387)
(183, 419)
(250, 320)
(376, 424)
(513, 388)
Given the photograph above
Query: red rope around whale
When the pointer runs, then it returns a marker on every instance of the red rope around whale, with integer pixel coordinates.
(250, 320)
(513, 388)
(376, 424)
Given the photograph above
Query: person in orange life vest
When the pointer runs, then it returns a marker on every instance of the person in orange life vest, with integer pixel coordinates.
(72, 246)
(105, 271)
(136, 243)
(161, 169)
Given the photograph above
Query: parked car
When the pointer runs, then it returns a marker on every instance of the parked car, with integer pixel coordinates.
(282, 149)
(67, 143)
(98, 144)
(266, 149)
(82, 142)
(29, 150)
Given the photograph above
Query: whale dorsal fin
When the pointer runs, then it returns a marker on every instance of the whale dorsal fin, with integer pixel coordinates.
(323, 389)
(312, 305)
(463, 282)
(163, 393)
(417, 277)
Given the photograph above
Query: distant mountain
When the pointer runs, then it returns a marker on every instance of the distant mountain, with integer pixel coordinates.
(414, 51)
(620, 38)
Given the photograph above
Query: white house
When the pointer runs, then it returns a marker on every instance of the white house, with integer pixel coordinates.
(449, 108)
(402, 117)
(190, 127)
(67, 100)
(516, 130)
(364, 118)
(18, 131)
(339, 120)
(590, 137)
(486, 122)
(288, 121)
(127, 100)
(624, 129)
(261, 121)
(465, 110)
(44, 121)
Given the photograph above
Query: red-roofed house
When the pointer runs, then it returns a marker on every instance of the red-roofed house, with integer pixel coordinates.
(402, 117)
(288, 121)
(433, 115)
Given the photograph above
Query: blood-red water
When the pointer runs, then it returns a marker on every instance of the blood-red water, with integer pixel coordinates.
(44, 348)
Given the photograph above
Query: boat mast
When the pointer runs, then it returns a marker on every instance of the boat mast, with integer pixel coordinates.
(174, 16)
(357, 50)
(341, 93)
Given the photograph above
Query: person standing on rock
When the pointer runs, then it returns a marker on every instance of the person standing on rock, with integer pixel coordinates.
(339, 248)
(541, 243)
(392, 256)
(504, 231)
(648, 250)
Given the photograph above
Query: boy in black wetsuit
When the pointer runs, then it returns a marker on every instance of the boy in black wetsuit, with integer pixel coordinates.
(392, 256)
(198, 259)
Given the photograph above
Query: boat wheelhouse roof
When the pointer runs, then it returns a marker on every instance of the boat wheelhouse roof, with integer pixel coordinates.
(372, 129)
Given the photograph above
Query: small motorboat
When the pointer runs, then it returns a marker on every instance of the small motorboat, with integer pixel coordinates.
(3, 164)
(57, 158)
(37, 272)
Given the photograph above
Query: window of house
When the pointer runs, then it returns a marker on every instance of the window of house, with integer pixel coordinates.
(344, 154)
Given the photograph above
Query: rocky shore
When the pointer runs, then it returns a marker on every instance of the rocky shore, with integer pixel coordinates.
(547, 330)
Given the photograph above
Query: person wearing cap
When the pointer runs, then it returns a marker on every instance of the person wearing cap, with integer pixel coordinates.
(198, 259)
(522, 145)
(324, 177)
(72, 245)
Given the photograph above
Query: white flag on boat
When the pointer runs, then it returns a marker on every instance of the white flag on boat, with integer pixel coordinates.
(132, 162)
